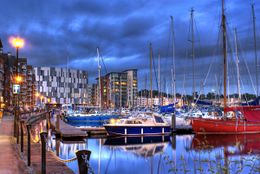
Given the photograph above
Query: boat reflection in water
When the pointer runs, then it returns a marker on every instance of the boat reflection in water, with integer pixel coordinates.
(233, 153)
(235, 144)
(116, 155)
(141, 146)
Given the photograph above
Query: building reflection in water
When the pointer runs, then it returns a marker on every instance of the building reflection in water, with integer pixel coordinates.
(36, 129)
(194, 153)
(114, 155)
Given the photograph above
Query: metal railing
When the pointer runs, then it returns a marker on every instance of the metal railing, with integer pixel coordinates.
(81, 156)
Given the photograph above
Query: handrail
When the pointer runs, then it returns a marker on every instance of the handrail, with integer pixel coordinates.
(83, 158)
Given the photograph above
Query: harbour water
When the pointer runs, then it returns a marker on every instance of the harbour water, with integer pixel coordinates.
(174, 154)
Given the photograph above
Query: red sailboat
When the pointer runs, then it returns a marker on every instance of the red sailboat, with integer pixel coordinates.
(250, 123)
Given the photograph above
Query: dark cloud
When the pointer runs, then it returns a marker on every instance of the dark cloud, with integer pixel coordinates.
(60, 31)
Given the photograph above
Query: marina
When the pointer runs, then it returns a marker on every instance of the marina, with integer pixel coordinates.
(122, 87)
(232, 153)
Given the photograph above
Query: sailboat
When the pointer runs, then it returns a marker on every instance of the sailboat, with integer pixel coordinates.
(80, 117)
(246, 118)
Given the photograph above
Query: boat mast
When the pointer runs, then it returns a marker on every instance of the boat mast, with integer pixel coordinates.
(255, 48)
(193, 51)
(145, 87)
(237, 65)
(99, 81)
(159, 79)
(224, 35)
(173, 61)
(151, 75)
(67, 82)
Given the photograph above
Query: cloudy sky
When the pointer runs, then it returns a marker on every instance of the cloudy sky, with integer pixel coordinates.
(60, 32)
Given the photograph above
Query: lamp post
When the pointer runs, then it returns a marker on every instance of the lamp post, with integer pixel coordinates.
(18, 43)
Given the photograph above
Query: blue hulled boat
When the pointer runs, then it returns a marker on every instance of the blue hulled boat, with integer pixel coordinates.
(90, 117)
(154, 125)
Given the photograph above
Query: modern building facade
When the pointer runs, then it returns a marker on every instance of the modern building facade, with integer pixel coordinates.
(8, 65)
(27, 85)
(61, 85)
(92, 95)
(146, 102)
(119, 89)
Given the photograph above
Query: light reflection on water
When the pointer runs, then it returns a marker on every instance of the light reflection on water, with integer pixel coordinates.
(141, 158)
(194, 153)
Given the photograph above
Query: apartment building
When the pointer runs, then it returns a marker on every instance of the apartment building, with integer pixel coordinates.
(61, 85)
(119, 89)
(8, 65)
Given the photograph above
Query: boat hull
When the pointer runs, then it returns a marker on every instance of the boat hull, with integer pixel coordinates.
(114, 130)
(95, 118)
(217, 126)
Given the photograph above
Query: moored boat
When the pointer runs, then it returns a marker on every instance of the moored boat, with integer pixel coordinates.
(138, 127)
(246, 120)
(80, 117)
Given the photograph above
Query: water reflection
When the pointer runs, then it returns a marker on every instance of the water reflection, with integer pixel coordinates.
(239, 144)
(218, 153)
(141, 146)
(36, 129)
(163, 154)
(112, 156)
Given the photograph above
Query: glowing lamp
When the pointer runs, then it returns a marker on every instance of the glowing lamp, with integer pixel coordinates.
(17, 42)
(37, 94)
(18, 79)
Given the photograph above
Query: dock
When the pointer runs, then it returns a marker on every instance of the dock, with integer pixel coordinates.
(12, 160)
(95, 131)
(64, 130)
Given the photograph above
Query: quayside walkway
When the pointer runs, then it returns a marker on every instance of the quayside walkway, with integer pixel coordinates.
(10, 161)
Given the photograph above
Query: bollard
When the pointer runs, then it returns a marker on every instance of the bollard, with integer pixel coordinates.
(46, 123)
(17, 131)
(49, 120)
(21, 130)
(43, 142)
(57, 123)
(15, 123)
(173, 141)
(83, 159)
(28, 144)
(173, 122)
(57, 146)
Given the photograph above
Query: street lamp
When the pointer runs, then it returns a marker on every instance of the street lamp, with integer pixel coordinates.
(16, 42)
